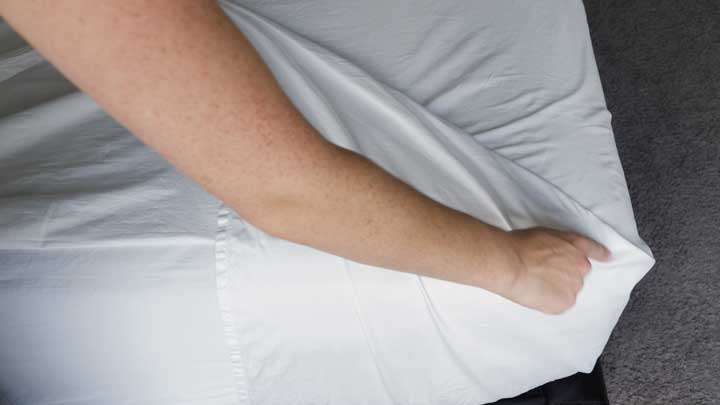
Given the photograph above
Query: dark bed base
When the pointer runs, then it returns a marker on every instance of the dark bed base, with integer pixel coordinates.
(577, 389)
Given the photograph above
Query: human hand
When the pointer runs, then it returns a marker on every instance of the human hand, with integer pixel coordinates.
(546, 268)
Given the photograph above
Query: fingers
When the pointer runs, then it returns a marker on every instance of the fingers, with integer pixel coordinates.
(588, 246)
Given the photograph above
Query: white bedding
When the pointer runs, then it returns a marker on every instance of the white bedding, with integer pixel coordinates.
(122, 282)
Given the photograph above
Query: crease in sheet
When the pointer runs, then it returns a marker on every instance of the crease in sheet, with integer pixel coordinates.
(18, 60)
(411, 117)
(443, 331)
(366, 336)
(371, 88)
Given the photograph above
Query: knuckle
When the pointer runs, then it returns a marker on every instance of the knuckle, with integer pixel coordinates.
(574, 236)
(584, 264)
(577, 240)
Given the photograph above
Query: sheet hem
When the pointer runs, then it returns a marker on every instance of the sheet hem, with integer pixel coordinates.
(228, 320)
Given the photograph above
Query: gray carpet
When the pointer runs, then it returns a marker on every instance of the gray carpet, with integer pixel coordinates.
(659, 62)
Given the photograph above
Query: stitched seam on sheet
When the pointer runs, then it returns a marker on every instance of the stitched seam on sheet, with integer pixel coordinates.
(222, 274)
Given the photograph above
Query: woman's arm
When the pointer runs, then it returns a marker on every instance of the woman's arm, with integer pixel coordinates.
(182, 78)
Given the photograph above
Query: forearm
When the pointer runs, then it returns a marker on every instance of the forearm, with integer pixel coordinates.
(353, 208)
(183, 79)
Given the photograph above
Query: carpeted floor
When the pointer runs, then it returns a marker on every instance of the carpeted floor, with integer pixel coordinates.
(659, 62)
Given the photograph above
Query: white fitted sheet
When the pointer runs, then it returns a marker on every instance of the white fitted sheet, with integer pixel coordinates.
(123, 282)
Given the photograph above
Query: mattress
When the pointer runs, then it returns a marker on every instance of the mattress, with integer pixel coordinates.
(123, 282)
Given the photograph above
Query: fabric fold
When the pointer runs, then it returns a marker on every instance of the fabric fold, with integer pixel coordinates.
(483, 345)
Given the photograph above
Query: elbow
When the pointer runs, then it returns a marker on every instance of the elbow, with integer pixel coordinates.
(287, 206)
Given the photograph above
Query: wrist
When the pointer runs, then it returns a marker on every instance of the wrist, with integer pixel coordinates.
(478, 254)
(500, 264)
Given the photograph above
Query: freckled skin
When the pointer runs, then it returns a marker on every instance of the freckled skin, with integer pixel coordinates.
(184, 80)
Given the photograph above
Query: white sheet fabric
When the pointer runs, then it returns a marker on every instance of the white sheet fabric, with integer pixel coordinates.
(122, 282)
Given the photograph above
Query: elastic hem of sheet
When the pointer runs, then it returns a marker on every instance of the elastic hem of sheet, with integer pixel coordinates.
(228, 320)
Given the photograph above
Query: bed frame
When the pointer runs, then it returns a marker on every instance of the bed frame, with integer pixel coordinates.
(577, 389)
